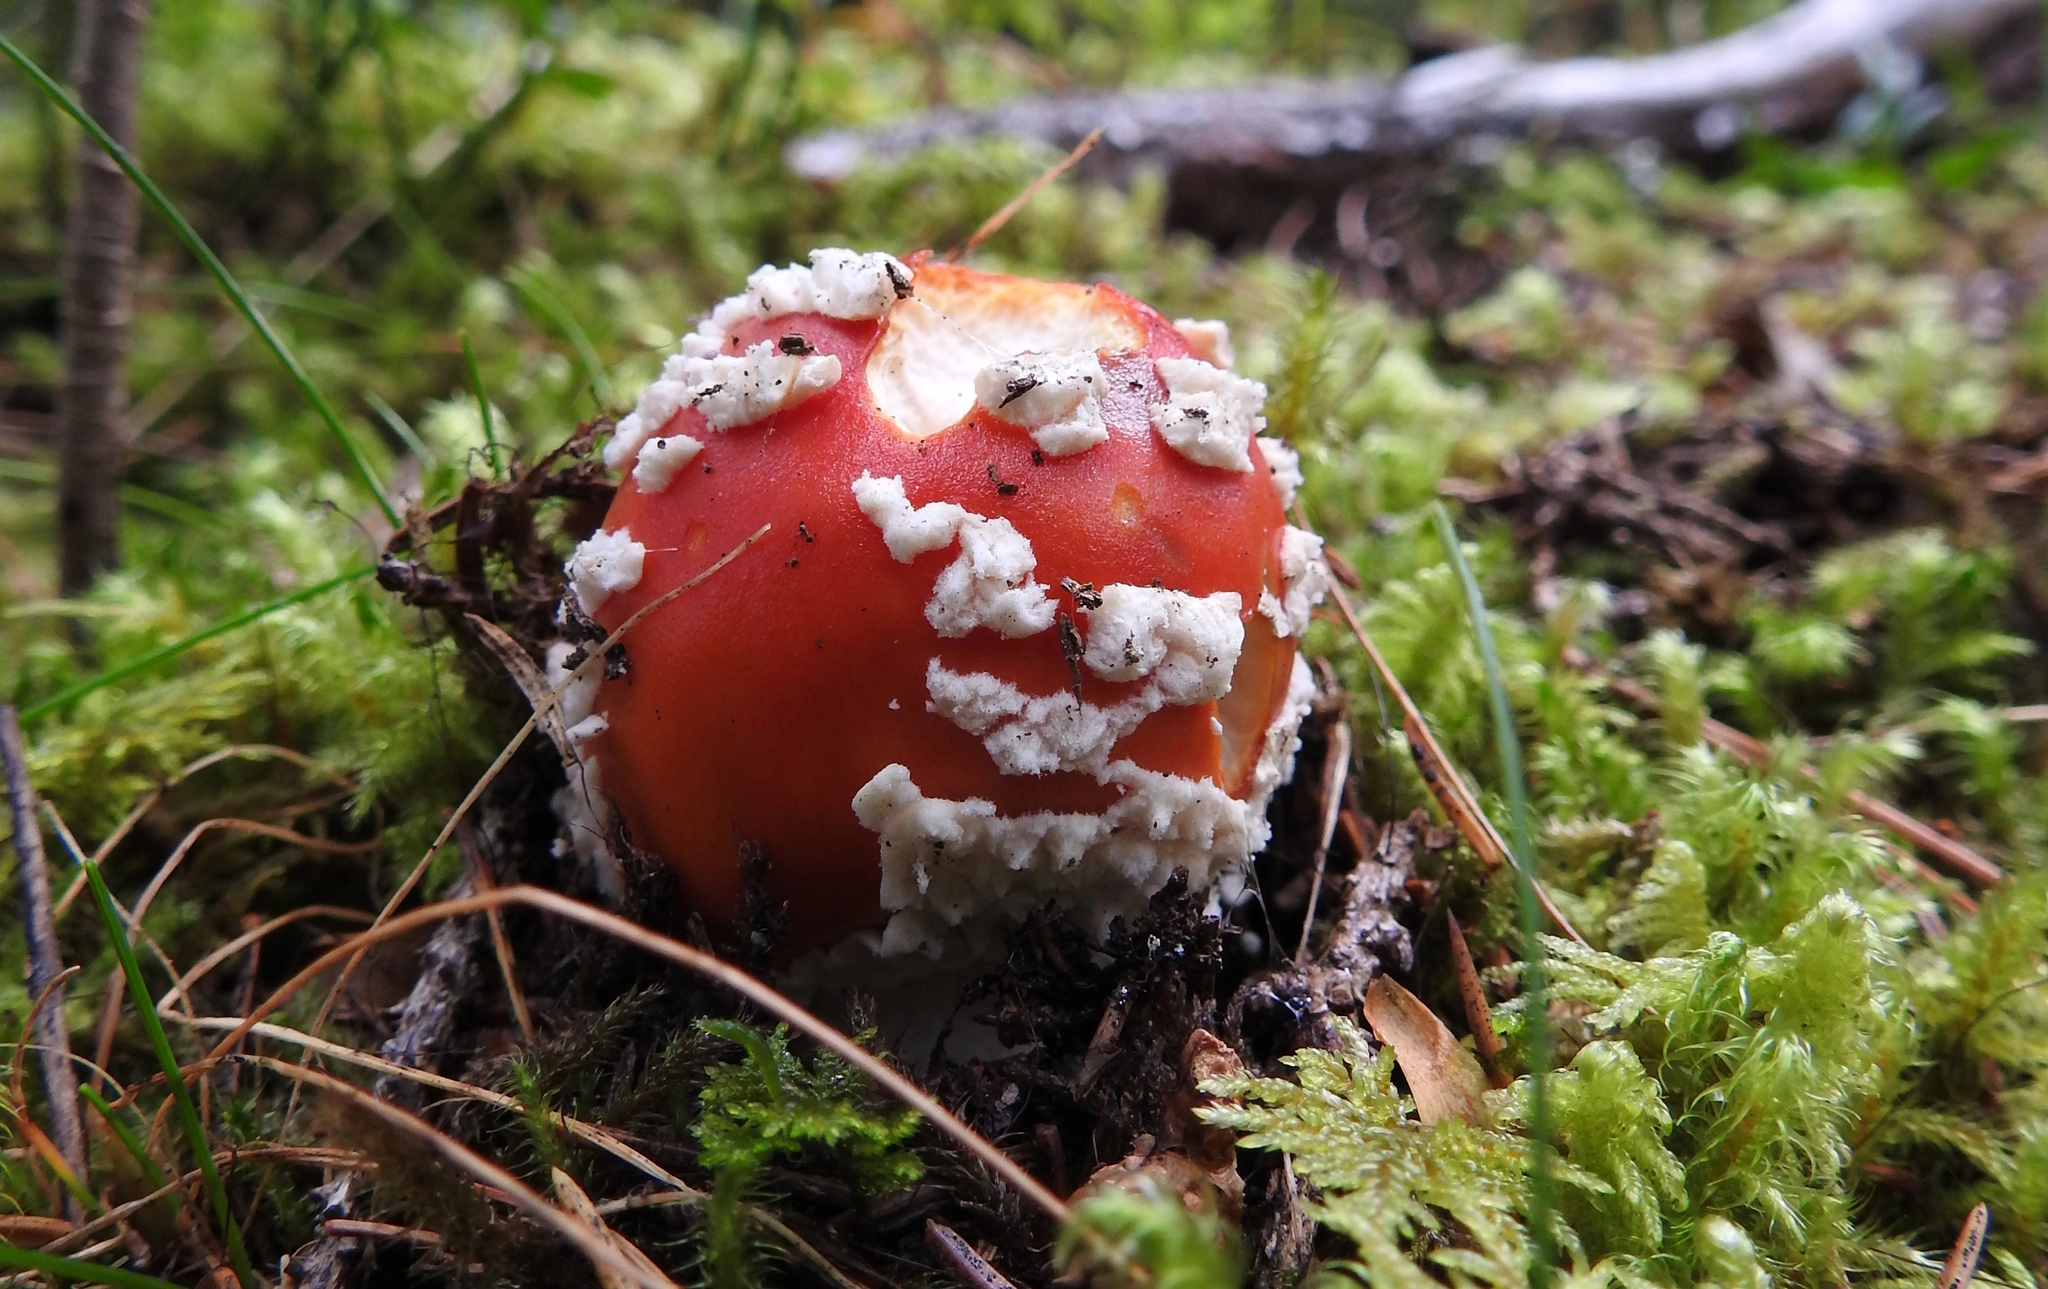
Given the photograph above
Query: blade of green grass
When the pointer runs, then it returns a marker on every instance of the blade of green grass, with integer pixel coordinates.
(156, 503)
(129, 1141)
(399, 426)
(483, 403)
(174, 1077)
(1509, 748)
(533, 288)
(71, 694)
(194, 243)
(85, 1273)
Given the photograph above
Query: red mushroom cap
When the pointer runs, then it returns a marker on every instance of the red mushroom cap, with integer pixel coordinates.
(1024, 626)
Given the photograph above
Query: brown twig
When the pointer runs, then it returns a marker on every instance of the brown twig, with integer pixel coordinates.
(45, 958)
(353, 1228)
(724, 973)
(147, 801)
(259, 828)
(681, 1192)
(182, 989)
(1010, 208)
(1478, 1017)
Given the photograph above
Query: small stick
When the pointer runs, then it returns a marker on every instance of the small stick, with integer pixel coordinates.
(971, 1267)
(1478, 1018)
(991, 225)
(45, 959)
(1336, 769)
(1961, 1266)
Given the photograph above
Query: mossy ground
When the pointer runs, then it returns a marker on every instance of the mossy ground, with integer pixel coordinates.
(1790, 1053)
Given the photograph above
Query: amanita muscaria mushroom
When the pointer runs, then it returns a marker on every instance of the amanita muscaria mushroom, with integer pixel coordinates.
(1024, 626)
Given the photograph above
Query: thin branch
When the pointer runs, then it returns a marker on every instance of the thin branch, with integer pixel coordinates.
(1960, 860)
(147, 801)
(501, 945)
(1441, 776)
(680, 1193)
(45, 958)
(1789, 72)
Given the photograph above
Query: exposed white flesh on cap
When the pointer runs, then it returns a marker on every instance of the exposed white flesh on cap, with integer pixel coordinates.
(922, 374)
(1209, 340)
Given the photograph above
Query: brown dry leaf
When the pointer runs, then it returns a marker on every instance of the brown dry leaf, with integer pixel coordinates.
(576, 1204)
(1961, 1267)
(1445, 1078)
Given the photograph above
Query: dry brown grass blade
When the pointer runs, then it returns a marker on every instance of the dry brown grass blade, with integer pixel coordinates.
(588, 1133)
(1961, 1267)
(501, 946)
(681, 1192)
(576, 1203)
(755, 991)
(1442, 777)
(182, 990)
(40, 1145)
(526, 674)
(1472, 995)
(17, 1083)
(467, 1162)
(256, 826)
(991, 225)
(593, 661)
(310, 1156)
(1446, 1081)
(148, 800)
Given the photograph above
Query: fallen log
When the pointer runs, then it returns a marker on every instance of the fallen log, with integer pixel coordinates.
(1312, 140)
